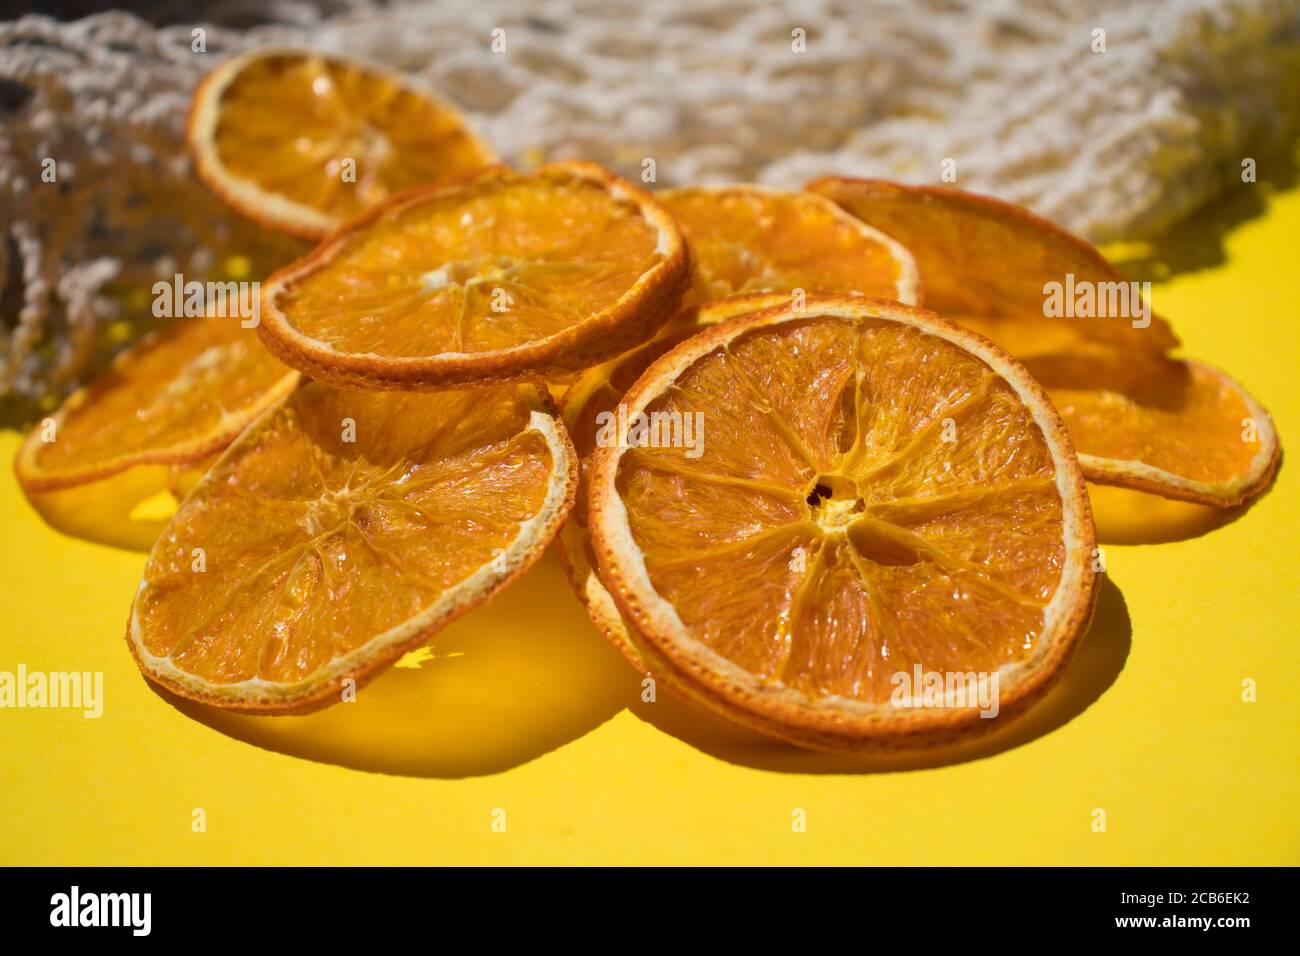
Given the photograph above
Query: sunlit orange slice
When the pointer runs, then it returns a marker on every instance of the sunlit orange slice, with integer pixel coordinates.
(1138, 417)
(302, 141)
(176, 397)
(492, 276)
(341, 530)
(755, 239)
(879, 495)
(595, 393)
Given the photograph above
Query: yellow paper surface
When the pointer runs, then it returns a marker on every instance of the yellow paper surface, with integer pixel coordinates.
(520, 707)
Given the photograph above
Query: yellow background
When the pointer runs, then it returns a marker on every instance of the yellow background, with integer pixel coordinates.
(522, 707)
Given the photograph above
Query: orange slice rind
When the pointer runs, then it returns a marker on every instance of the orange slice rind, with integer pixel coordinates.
(492, 276)
(1188, 432)
(340, 531)
(301, 141)
(984, 263)
(748, 239)
(174, 398)
(1138, 417)
(828, 537)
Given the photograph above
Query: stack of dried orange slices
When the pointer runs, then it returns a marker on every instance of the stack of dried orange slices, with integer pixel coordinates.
(796, 497)
(1139, 417)
(343, 526)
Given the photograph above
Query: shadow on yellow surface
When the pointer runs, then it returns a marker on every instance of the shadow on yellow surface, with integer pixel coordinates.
(128, 510)
(115, 511)
(1097, 664)
(506, 683)
(1125, 516)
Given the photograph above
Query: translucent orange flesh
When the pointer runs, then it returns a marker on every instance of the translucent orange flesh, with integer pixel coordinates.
(1120, 396)
(601, 388)
(199, 377)
(1134, 405)
(1186, 419)
(755, 240)
(869, 498)
(288, 123)
(314, 544)
(981, 261)
(497, 263)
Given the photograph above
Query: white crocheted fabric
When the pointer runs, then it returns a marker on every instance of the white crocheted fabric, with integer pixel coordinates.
(1113, 144)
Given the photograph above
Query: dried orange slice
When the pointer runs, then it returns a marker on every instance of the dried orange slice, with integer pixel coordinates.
(596, 393)
(492, 276)
(748, 238)
(301, 141)
(1138, 418)
(339, 531)
(879, 493)
(174, 398)
(984, 263)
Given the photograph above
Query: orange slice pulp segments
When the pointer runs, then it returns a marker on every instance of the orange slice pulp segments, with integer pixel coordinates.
(598, 392)
(748, 238)
(339, 531)
(176, 397)
(301, 141)
(877, 491)
(1138, 418)
(493, 276)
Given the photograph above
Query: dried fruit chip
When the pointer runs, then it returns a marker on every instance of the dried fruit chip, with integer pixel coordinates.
(340, 531)
(176, 397)
(496, 275)
(879, 492)
(590, 405)
(301, 142)
(1138, 418)
(754, 239)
